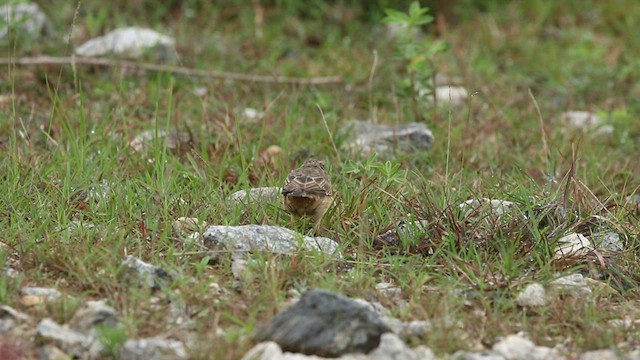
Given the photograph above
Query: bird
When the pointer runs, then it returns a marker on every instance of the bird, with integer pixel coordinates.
(307, 192)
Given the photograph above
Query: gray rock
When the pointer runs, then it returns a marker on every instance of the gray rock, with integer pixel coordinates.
(325, 324)
(9, 317)
(599, 355)
(389, 290)
(609, 241)
(153, 349)
(32, 296)
(405, 229)
(258, 195)
(484, 206)
(72, 342)
(574, 285)
(532, 295)
(23, 17)
(92, 314)
(486, 355)
(50, 352)
(275, 239)
(516, 347)
(391, 347)
(367, 138)
(129, 42)
(146, 275)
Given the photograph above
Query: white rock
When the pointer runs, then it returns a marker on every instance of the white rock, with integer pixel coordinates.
(581, 120)
(256, 195)
(573, 244)
(515, 347)
(279, 240)
(128, 42)
(532, 295)
(490, 206)
(22, 17)
(454, 95)
(152, 349)
(599, 355)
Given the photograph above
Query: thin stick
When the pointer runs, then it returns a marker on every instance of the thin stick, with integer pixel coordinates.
(333, 143)
(73, 61)
(545, 143)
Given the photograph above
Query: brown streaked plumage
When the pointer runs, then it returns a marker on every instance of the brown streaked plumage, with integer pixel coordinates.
(307, 191)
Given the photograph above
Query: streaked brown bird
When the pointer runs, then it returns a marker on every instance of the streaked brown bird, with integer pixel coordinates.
(307, 192)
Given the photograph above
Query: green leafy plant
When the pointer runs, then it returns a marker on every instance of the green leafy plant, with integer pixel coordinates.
(418, 53)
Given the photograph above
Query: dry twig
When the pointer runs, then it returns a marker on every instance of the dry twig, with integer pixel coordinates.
(93, 61)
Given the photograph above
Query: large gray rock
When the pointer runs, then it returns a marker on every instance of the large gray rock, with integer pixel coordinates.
(129, 42)
(279, 240)
(367, 138)
(325, 324)
(24, 17)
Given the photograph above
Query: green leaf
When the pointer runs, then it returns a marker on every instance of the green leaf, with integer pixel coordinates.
(395, 16)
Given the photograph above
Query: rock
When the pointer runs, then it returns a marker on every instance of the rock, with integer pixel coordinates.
(626, 323)
(146, 275)
(176, 141)
(257, 195)
(599, 355)
(271, 157)
(325, 324)
(574, 285)
(184, 226)
(50, 352)
(9, 317)
(515, 347)
(572, 244)
(532, 295)
(461, 355)
(23, 17)
(72, 342)
(92, 314)
(601, 289)
(391, 347)
(275, 239)
(32, 296)
(130, 42)
(484, 206)
(608, 241)
(413, 329)
(153, 349)
(453, 95)
(410, 230)
(585, 121)
(251, 114)
(366, 138)
(389, 290)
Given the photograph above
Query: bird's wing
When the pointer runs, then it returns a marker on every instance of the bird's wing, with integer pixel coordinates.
(307, 182)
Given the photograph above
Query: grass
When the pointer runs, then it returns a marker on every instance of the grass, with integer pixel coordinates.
(66, 160)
